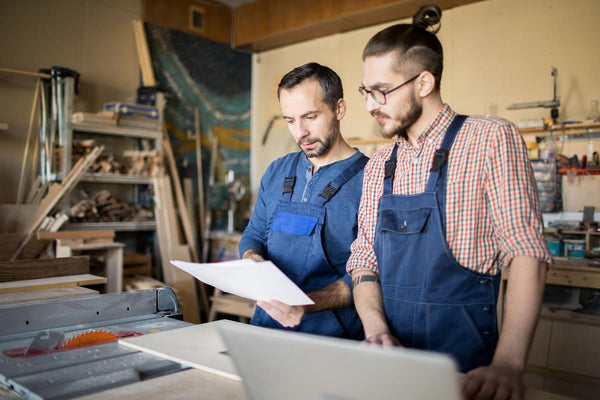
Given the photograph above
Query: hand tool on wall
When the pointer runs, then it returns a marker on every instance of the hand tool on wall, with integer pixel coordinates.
(552, 104)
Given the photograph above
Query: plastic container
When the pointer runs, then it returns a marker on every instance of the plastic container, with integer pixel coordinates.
(556, 247)
(574, 248)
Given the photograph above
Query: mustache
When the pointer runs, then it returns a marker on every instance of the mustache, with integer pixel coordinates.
(309, 140)
(376, 114)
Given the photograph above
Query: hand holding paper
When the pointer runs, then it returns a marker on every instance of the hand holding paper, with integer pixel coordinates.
(249, 279)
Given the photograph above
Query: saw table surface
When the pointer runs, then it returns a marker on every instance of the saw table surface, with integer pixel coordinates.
(88, 369)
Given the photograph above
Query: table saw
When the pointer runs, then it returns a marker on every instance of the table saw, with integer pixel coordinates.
(44, 354)
(67, 348)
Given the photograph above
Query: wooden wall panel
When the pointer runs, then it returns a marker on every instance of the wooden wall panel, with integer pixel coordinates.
(175, 14)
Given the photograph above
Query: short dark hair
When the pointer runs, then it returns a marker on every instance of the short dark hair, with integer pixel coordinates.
(330, 82)
(416, 46)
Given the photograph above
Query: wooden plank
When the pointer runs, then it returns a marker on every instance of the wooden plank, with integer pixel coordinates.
(19, 270)
(184, 217)
(587, 279)
(170, 249)
(266, 24)
(45, 295)
(51, 283)
(188, 192)
(20, 72)
(181, 204)
(199, 346)
(46, 235)
(200, 172)
(10, 242)
(57, 193)
(143, 52)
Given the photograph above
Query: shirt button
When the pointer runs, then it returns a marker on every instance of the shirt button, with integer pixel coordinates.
(305, 199)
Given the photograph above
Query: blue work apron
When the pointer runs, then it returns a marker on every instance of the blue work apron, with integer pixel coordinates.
(431, 301)
(294, 244)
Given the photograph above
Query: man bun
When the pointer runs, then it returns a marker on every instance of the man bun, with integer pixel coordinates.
(428, 17)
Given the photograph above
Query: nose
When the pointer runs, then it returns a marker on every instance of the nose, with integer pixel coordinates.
(371, 104)
(299, 130)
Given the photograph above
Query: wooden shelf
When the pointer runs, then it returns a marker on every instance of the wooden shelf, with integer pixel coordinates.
(132, 226)
(571, 129)
(116, 178)
(117, 130)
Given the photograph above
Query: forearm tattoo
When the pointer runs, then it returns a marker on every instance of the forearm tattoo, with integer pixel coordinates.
(365, 278)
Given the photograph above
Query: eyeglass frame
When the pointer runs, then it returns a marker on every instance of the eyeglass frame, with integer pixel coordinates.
(367, 92)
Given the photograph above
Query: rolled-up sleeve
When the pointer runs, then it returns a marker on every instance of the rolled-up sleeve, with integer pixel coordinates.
(513, 198)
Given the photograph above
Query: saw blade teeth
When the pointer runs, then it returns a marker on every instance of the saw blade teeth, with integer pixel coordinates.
(89, 337)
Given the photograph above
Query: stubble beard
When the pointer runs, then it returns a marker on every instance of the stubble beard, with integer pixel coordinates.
(400, 128)
(324, 144)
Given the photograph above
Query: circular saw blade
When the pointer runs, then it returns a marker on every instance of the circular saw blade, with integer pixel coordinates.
(88, 337)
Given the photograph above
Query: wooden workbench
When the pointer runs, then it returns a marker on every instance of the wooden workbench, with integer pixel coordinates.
(201, 385)
(571, 272)
(213, 377)
(565, 351)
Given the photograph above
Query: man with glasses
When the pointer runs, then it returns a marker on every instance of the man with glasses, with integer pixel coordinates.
(444, 209)
(305, 217)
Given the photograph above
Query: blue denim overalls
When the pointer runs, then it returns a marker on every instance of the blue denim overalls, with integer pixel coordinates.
(431, 301)
(294, 244)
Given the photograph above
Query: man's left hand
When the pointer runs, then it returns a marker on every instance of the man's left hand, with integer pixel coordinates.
(494, 382)
(288, 316)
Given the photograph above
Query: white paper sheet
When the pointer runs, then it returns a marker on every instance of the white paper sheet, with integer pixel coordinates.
(249, 279)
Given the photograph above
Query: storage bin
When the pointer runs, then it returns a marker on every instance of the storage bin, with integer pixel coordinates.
(556, 247)
(574, 248)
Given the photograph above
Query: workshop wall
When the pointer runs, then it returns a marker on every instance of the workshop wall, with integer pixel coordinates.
(92, 37)
(497, 52)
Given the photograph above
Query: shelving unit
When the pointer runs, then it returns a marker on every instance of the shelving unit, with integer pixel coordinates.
(133, 236)
(573, 130)
(126, 138)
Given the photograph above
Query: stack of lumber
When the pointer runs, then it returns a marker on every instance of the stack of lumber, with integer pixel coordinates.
(129, 162)
(177, 238)
(42, 214)
(102, 206)
(44, 279)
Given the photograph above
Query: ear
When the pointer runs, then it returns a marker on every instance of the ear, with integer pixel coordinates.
(340, 110)
(425, 84)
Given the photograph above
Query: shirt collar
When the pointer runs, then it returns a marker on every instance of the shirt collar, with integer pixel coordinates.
(434, 131)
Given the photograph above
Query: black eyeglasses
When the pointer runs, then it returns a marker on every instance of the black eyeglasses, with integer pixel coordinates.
(379, 95)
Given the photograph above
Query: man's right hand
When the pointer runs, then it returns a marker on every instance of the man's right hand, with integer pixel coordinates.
(254, 255)
(384, 339)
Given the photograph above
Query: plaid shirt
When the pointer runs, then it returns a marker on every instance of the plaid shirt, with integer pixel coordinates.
(492, 208)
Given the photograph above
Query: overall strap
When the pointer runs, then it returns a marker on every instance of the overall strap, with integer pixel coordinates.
(290, 181)
(441, 155)
(334, 186)
(390, 170)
